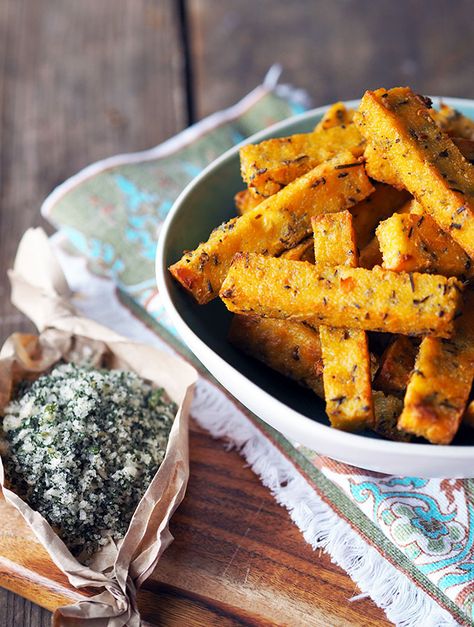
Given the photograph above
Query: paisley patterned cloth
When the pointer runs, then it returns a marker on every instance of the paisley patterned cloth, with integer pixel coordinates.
(112, 213)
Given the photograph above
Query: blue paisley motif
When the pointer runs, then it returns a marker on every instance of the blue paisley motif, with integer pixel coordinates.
(363, 491)
(429, 568)
(453, 579)
(430, 523)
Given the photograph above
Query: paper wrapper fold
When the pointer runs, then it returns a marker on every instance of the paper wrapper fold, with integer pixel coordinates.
(39, 290)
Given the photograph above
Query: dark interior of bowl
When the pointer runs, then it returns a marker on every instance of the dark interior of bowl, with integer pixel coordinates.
(206, 206)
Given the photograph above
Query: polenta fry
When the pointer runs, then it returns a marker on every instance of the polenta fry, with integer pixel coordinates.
(346, 358)
(246, 201)
(336, 115)
(373, 300)
(269, 166)
(415, 243)
(334, 240)
(291, 348)
(441, 381)
(396, 364)
(423, 158)
(387, 409)
(303, 251)
(453, 122)
(277, 224)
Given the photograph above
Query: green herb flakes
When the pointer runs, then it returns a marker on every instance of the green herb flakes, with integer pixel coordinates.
(83, 446)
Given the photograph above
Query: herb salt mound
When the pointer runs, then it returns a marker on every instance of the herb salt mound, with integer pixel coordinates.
(82, 447)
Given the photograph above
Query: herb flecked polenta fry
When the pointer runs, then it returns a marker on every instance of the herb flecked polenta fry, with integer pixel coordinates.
(373, 300)
(466, 147)
(246, 201)
(468, 417)
(387, 409)
(396, 364)
(272, 164)
(415, 243)
(337, 115)
(277, 224)
(304, 251)
(346, 358)
(370, 255)
(346, 378)
(379, 167)
(453, 122)
(334, 240)
(441, 381)
(424, 159)
(291, 348)
(378, 206)
(379, 164)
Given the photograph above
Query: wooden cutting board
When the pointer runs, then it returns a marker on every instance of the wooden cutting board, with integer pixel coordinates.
(237, 559)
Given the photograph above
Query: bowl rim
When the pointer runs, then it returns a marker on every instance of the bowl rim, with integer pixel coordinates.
(298, 420)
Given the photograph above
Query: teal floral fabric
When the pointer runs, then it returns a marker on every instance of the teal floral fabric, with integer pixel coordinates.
(114, 213)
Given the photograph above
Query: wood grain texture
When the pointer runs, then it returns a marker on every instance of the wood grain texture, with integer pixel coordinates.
(79, 81)
(237, 559)
(334, 50)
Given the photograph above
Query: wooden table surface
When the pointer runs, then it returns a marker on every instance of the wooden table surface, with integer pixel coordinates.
(83, 80)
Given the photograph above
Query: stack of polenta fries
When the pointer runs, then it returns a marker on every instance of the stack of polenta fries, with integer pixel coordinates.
(374, 312)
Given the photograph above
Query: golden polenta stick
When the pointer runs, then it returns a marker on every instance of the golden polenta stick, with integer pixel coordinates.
(337, 115)
(441, 381)
(370, 255)
(379, 165)
(334, 240)
(468, 417)
(275, 225)
(424, 159)
(415, 243)
(304, 251)
(374, 300)
(346, 377)
(387, 409)
(376, 207)
(291, 348)
(413, 206)
(453, 122)
(396, 364)
(466, 147)
(346, 358)
(272, 164)
(245, 201)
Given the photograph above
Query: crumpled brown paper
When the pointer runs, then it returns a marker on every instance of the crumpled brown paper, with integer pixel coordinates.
(39, 290)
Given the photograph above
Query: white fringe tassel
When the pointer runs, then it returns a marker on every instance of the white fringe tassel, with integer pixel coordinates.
(404, 603)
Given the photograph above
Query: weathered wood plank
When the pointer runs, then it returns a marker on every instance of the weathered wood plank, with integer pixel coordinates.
(334, 50)
(79, 81)
(14, 610)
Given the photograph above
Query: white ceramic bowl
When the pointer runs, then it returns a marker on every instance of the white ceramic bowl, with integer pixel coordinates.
(298, 414)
